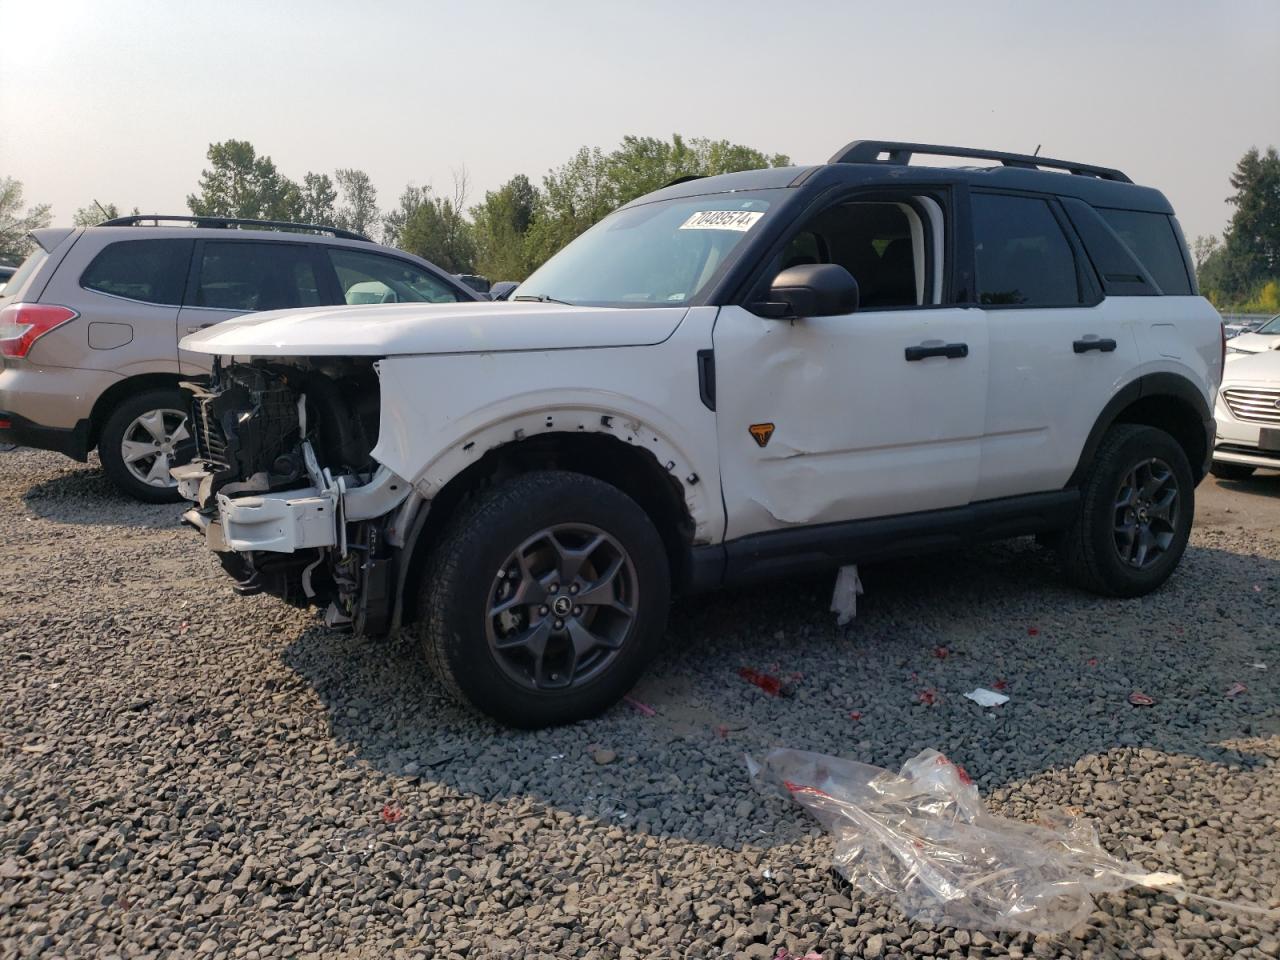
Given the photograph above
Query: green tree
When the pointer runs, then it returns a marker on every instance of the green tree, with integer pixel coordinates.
(359, 209)
(500, 226)
(436, 230)
(239, 183)
(393, 223)
(1238, 269)
(318, 200)
(15, 224)
(95, 213)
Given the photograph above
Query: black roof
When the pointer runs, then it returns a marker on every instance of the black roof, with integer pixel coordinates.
(1099, 186)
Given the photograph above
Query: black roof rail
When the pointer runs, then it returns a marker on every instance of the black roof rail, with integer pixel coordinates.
(224, 222)
(868, 151)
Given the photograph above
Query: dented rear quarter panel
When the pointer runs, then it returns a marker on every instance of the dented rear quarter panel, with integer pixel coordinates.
(442, 413)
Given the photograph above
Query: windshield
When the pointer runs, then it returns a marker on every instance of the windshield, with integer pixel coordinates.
(658, 254)
(1271, 326)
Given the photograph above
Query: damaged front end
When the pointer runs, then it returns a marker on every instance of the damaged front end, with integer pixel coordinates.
(287, 492)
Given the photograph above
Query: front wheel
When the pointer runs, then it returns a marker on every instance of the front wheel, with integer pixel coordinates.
(1135, 514)
(143, 438)
(545, 598)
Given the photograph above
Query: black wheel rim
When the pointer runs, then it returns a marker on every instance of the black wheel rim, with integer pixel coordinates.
(561, 607)
(1146, 513)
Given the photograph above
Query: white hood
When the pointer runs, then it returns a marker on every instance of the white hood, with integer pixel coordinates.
(1255, 342)
(391, 329)
(1261, 369)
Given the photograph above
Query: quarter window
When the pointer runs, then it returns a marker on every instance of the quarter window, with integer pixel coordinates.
(153, 271)
(243, 275)
(1151, 238)
(1022, 256)
(372, 278)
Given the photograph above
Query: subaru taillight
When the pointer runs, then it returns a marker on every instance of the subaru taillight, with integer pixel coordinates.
(22, 324)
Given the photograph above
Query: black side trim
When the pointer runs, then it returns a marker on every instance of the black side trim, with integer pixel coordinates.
(707, 378)
(73, 442)
(1152, 385)
(781, 553)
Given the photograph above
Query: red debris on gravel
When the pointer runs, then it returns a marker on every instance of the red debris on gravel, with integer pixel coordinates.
(1091, 662)
(1236, 689)
(1140, 699)
(855, 715)
(644, 708)
(391, 813)
(765, 681)
(941, 653)
(929, 697)
(1001, 684)
(1033, 631)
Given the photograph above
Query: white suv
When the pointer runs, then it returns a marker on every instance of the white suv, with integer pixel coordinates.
(730, 379)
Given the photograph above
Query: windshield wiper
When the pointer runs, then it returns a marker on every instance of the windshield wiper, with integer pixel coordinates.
(542, 298)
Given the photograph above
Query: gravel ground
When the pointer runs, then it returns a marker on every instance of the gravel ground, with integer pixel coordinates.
(187, 773)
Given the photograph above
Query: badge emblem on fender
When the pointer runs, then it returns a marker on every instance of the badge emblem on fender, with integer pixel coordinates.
(761, 432)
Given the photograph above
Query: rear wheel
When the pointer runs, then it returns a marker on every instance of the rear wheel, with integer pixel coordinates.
(1231, 471)
(545, 598)
(1135, 514)
(145, 437)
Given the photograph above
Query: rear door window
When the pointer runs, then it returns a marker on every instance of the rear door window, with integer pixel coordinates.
(372, 278)
(1022, 256)
(248, 275)
(153, 271)
(1152, 239)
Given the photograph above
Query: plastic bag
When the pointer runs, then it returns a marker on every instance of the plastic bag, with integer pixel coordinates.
(924, 837)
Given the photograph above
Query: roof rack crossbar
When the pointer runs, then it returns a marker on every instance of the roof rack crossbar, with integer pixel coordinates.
(869, 151)
(224, 222)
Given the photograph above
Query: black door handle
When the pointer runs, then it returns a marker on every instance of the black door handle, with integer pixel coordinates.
(952, 351)
(1093, 343)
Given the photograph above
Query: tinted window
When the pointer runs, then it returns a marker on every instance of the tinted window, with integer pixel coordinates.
(256, 276)
(154, 271)
(1150, 237)
(373, 278)
(1022, 255)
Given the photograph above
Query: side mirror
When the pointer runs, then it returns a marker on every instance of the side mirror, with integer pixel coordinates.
(502, 289)
(810, 290)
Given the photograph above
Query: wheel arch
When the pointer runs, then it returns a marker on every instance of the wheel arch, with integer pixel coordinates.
(121, 390)
(1167, 401)
(626, 464)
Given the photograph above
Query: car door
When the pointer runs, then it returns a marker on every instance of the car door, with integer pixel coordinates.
(364, 276)
(1058, 353)
(233, 277)
(875, 413)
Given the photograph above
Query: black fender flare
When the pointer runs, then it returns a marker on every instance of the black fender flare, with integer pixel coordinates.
(1171, 385)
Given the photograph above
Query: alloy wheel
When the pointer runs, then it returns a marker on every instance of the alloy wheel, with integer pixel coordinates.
(154, 442)
(561, 607)
(1146, 513)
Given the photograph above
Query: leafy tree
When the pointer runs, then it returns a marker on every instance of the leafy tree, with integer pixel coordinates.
(239, 183)
(14, 224)
(1238, 269)
(318, 200)
(359, 209)
(95, 213)
(436, 230)
(500, 225)
(393, 223)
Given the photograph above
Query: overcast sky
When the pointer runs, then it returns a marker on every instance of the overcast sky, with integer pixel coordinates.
(119, 100)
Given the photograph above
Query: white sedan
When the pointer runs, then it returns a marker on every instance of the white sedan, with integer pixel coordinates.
(1248, 415)
(1266, 337)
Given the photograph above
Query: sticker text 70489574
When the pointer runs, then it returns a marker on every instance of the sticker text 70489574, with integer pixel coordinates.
(739, 220)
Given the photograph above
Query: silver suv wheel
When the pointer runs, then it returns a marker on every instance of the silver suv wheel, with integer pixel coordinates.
(149, 443)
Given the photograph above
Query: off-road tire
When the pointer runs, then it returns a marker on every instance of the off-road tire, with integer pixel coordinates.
(1231, 471)
(1088, 549)
(112, 435)
(459, 577)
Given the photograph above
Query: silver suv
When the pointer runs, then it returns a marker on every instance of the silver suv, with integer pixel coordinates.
(90, 324)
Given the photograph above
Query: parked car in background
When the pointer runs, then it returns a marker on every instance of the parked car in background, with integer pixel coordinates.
(473, 280)
(6, 271)
(1264, 337)
(1248, 416)
(90, 324)
(728, 380)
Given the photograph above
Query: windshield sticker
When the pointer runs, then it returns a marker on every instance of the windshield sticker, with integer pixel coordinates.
(739, 220)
